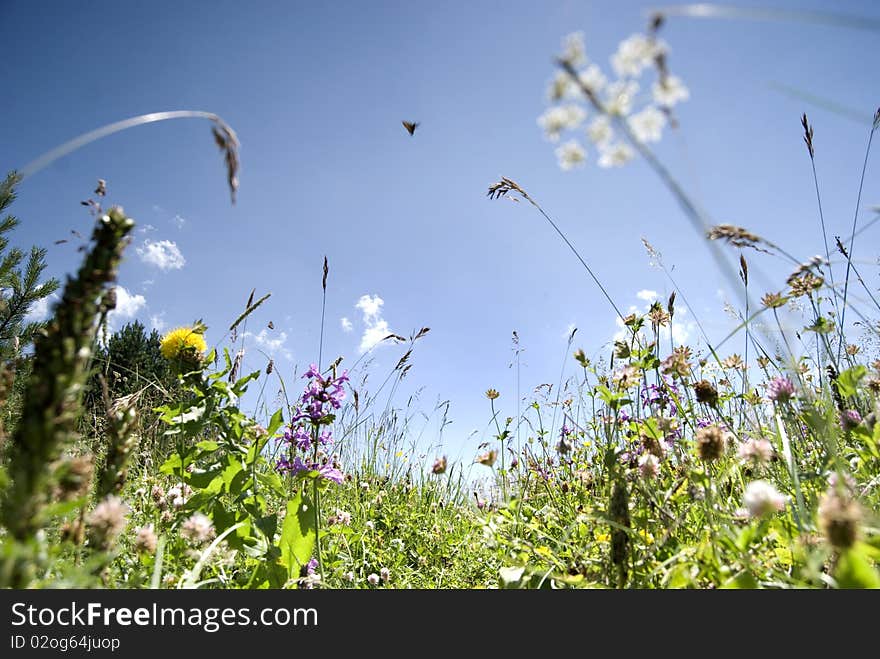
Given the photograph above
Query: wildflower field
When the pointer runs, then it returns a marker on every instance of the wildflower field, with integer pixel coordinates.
(135, 459)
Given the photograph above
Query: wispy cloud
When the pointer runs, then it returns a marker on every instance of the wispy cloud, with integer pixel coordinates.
(164, 254)
(682, 329)
(41, 309)
(178, 221)
(147, 228)
(157, 321)
(274, 345)
(375, 327)
(346, 324)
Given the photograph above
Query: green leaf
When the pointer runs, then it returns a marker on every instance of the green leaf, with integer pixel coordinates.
(848, 381)
(173, 465)
(298, 534)
(856, 570)
(742, 581)
(206, 480)
(274, 423)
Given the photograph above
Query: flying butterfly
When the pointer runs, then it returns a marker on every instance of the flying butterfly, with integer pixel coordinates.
(410, 126)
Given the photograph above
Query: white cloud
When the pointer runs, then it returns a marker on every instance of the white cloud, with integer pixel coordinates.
(41, 310)
(346, 324)
(146, 283)
(371, 305)
(164, 254)
(272, 345)
(373, 335)
(375, 327)
(127, 306)
(682, 330)
(147, 228)
(178, 221)
(157, 322)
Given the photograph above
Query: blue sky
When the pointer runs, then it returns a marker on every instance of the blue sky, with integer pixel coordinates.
(317, 92)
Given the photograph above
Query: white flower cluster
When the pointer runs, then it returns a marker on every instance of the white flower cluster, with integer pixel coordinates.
(617, 100)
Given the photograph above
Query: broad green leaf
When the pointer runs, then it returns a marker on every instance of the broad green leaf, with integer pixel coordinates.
(856, 570)
(743, 580)
(848, 381)
(173, 465)
(298, 534)
(231, 471)
(206, 480)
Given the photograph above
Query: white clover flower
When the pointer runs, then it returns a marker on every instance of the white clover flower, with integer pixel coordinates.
(635, 54)
(385, 574)
(571, 155)
(573, 50)
(648, 124)
(669, 91)
(758, 451)
(592, 78)
(649, 466)
(145, 539)
(615, 155)
(373, 579)
(600, 131)
(198, 528)
(760, 498)
(619, 96)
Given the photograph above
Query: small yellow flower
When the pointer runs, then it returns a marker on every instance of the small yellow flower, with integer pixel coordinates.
(183, 342)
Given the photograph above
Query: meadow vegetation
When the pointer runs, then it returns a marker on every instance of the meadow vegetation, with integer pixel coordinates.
(127, 460)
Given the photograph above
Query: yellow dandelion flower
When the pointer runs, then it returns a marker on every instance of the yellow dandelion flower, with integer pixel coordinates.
(183, 342)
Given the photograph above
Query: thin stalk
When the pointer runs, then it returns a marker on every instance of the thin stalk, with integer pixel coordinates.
(501, 441)
(224, 136)
(574, 251)
(852, 239)
(696, 217)
(808, 140)
(323, 312)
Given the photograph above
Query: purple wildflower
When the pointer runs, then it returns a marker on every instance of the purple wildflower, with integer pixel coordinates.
(313, 372)
(321, 395)
(331, 473)
(850, 419)
(294, 467)
(780, 389)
